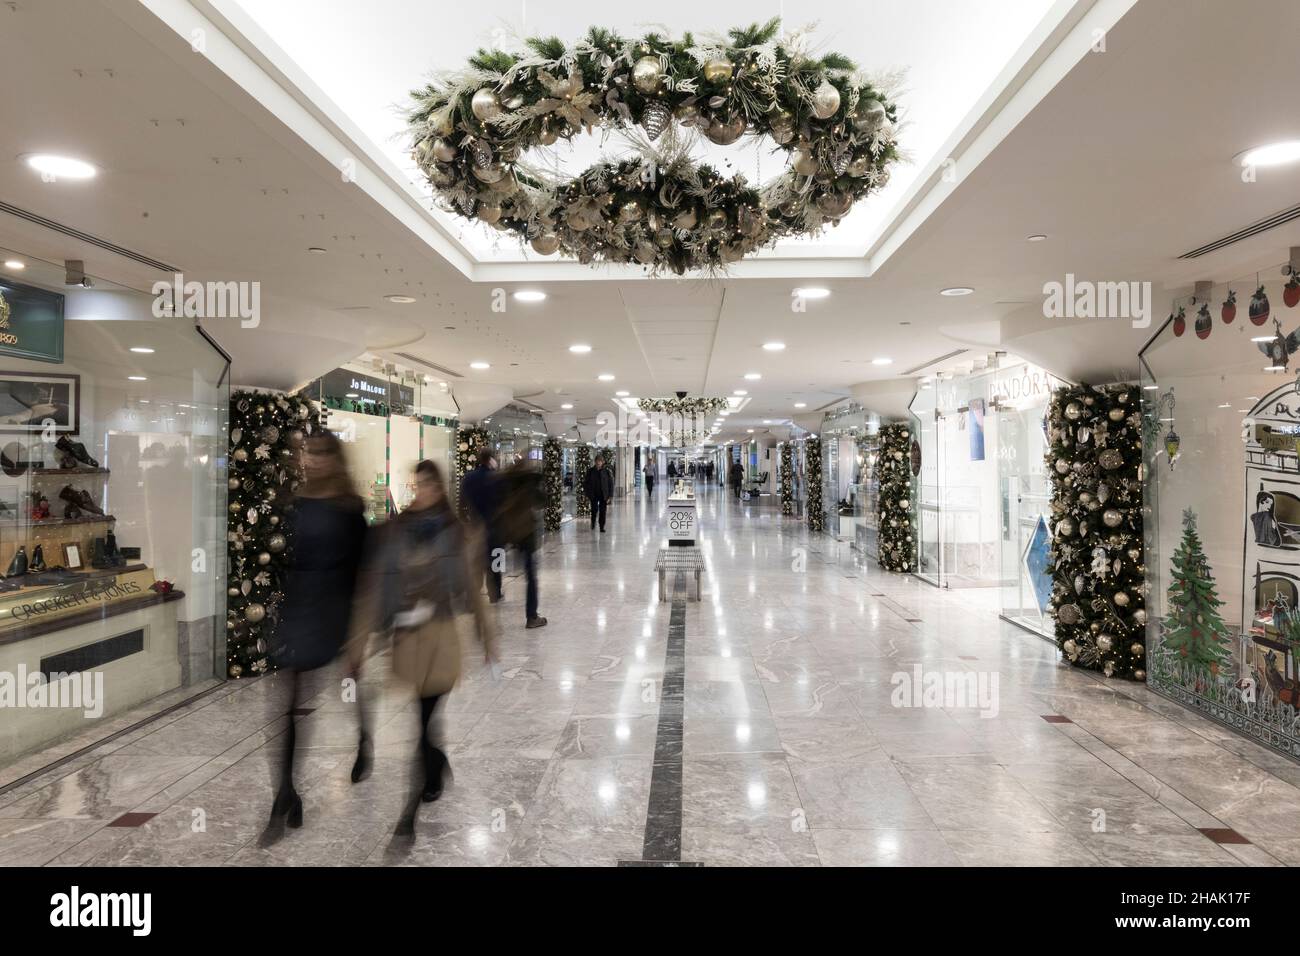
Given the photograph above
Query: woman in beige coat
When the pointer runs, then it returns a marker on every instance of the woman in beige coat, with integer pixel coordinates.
(426, 587)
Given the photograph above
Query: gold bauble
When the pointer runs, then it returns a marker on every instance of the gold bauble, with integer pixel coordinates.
(241, 454)
(645, 252)
(443, 151)
(804, 162)
(664, 237)
(444, 121)
(687, 113)
(630, 211)
(547, 136)
(490, 173)
(834, 205)
(869, 116)
(686, 219)
(254, 613)
(1139, 674)
(726, 132)
(486, 104)
(825, 100)
(505, 185)
(859, 166)
(489, 212)
(717, 219)
(718, 70)
(545, 244)
(264, 558)
(645, 74)
(781, 124)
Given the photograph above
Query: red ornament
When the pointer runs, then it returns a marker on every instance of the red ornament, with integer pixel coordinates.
(1229, 311)
(1180, 321)
(1291, 292)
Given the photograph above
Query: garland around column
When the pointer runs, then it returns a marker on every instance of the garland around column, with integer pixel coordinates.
(787, 480)
(470, 440)
(553, 481)
(895, 507)
(816, 514)
(266, 432)
(582, 464)
(1099, 592)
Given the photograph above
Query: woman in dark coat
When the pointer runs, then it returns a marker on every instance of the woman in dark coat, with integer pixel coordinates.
(329, 534)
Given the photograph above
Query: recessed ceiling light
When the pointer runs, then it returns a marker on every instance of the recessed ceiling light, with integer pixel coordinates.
(882, 361)
(767, 421)
(773, 346)
(605, 377)
(14, 264)
(1273, 154)
(137, 378)
(740, 391)
(529, 295)
(1226, 405)
(621, 394)
(812, 292)
(800, 404)
(566, 406)
(749, 430)
(400, 299)
(956, 290)
(142, 349)
(480, 366)
(1038, 237)
(752, 376)
(60, 167)
(316, 250)
(579, 349)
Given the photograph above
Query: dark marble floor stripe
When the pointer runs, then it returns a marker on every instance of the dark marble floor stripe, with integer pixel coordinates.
(663, 825)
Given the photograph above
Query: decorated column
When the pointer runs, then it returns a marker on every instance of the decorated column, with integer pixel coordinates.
(581, 466)
(895, 505)
(470, 440)
(816, 513)
(787, 480)
(553, 482)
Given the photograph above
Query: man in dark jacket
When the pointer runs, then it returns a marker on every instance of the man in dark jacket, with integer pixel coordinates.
(737, 477)
(523, 495)
(599, 487)
(483, 496)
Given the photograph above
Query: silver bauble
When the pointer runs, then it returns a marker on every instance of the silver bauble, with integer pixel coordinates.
(803, 161)
(1140, 617)
(630, 211)
(825, 100)
(276, 543)
(236, 435)
(490, 173)
(859, 167)
(545, 243)
(869, 115)
(834, 205)
(486, 104)
(1121, 598)
(1073, 411)
(1112, 518)
(1105, 642)
(270, 434)
(645, 252)
(443, 151)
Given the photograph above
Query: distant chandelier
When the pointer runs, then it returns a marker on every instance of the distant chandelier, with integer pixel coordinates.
(655, 206)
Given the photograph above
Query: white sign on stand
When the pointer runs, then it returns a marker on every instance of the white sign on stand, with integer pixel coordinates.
(681, 522)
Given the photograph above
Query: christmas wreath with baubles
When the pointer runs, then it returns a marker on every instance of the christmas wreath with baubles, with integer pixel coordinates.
(472, 130)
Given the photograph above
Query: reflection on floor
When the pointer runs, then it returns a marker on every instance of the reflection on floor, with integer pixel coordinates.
(756, 727)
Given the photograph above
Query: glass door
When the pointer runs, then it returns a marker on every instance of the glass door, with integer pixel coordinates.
(925, 428)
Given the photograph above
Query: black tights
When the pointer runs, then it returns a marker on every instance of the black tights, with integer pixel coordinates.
(297, 690)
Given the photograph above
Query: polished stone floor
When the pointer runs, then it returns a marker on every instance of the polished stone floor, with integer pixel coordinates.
(758, 726)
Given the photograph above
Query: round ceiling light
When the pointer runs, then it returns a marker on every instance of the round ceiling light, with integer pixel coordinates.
(1036, 237)
(752, 376)
(479, 366)
(621, 394)
(14, 264)
(800, 404)
(566, 406)
(137, 378)
(142, 349)
(1272, 154)
(740, 391)
(530, 295)
(956, 290)
(579, 349)
(605, 377)
(882, 361)
(812, 292)
(773, 346)
(60, 167)
(400, 299)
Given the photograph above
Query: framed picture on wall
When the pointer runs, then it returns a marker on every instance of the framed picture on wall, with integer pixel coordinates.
(31, 401)
(72, 557)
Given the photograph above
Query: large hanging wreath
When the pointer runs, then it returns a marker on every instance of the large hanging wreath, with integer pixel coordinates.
(681, 406)
(472, 128)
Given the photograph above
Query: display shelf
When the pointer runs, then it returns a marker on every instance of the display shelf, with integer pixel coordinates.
(91, 574)
(89, 616)
(78, 472)
(63, 522)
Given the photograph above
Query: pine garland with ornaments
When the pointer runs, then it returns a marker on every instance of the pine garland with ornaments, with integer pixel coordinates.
(1098, 567)
(470, 440)
(896, 503)
(266, 434)
(472, 131)
(816, 512)
(582, 462)
(787, 479)
(553, 482)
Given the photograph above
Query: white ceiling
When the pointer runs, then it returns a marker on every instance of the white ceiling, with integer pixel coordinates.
(217, 163)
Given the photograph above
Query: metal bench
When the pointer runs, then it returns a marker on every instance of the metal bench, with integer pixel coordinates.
(678, 559)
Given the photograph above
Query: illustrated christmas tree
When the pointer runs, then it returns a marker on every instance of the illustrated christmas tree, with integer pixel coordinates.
(1193, 628)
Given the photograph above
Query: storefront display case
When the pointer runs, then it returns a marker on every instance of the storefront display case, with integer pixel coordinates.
(1222, 493)
(112, 505)
(851, 445)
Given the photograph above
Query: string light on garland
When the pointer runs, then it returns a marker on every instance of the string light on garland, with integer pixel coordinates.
(1099, 589)
(266, 433)
(896, 501)
(473, 129)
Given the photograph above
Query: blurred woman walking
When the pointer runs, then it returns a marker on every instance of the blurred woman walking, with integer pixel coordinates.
(329, 534)
(427, 583)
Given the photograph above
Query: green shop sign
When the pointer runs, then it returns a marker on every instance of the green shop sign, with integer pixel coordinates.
(31, 323)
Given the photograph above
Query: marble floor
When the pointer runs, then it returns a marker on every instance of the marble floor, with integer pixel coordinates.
(760, 726)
